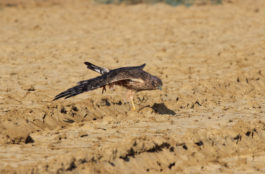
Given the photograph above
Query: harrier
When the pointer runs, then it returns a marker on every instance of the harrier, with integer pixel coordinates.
(133, 78)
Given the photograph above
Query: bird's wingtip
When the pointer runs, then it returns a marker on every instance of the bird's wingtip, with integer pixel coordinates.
(142, 66)
(55, 98)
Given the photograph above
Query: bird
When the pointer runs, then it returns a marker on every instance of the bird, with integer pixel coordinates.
(134, 78)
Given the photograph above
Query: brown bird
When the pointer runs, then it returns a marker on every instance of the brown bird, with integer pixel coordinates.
(133, 78)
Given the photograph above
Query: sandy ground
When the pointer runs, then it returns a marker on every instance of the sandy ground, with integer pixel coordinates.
(209, 117)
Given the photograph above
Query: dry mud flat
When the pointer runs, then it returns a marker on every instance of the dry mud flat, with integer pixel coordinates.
(209, 117)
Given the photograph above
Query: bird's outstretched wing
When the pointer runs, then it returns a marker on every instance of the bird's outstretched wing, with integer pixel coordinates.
(102, 70)
(88, 85)
(98, 69)
(83, 86)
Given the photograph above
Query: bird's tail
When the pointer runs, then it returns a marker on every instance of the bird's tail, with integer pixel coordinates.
(98, 69)
(83, 86)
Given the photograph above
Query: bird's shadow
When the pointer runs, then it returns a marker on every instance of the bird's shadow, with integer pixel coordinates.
(160, 108)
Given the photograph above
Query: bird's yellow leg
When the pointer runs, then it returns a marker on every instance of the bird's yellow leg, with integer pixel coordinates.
(133, 106)
(131, 95)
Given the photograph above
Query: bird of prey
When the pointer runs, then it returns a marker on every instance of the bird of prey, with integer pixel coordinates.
(133, 78)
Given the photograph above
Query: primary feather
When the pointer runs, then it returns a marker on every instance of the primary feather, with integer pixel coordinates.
(83, 86)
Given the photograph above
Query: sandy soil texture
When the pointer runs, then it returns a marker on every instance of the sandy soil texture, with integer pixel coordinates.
(209, 117)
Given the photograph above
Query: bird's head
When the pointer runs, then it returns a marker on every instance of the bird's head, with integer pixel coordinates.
(157, 83)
